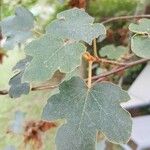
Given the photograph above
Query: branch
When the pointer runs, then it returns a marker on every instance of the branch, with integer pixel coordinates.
(35, 88)
(124, 18)
(97, 78)
(115, 70)
(89, 57)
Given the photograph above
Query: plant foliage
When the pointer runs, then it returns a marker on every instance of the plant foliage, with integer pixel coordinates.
(86, 108)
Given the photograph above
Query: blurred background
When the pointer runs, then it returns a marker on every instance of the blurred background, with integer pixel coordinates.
(15, 113)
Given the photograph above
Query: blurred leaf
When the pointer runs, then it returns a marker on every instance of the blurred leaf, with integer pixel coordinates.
(18, 122)
(75, 24)
(10, 147)
(61, 1)
(113, 52)
(17, 88)
(16, 29)
(140, 45)
(88, 111)
(110, 8)
(142, 27)
(101, 38)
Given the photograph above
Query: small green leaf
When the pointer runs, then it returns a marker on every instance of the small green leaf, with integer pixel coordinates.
(17, 88)
(140, 45)
(142, 27)
(88, 111)
(75, 24)
(17, 28)
(51, 54)
(113, 52)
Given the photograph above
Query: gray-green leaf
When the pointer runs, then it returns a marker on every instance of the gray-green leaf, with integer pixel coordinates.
(17, 88)
(113, 52)
(17, 28)
(140, 45)
(51, 54)
(142, 27)
(88, 111)
(75, 24)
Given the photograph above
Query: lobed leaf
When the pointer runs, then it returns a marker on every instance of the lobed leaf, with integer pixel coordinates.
(75, 24)
(17, 88)
(88, 111)
(113, 52)
(16, 29)
(140, 45)
(143, 27)
(51, 54)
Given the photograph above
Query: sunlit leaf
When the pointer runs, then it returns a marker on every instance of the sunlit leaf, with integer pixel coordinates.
(86, 112)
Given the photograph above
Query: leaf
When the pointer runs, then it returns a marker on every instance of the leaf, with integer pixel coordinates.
(61, 1)
(21, 65)
(73, 73)
(17, 88)
(140, 45)
(18, 123)
(75, 24)
(143, 27)
(113, 52)
(10, 147)
(88, 111)
(51, 54)
(17, 28)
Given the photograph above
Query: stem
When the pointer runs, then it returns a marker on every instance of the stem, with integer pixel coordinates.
(110, 62)
(95, 48)
(124, 18)
(90, 74)
(35, 88)
(90, 78)
(37, 32)
(115, 70)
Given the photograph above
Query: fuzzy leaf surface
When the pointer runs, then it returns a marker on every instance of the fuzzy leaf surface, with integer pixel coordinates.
(140, 45)
(75, 24)
(51, 54)
(17, 28)
(86, 112)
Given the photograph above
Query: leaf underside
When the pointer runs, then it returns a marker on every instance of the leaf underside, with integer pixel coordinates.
(88, 111)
